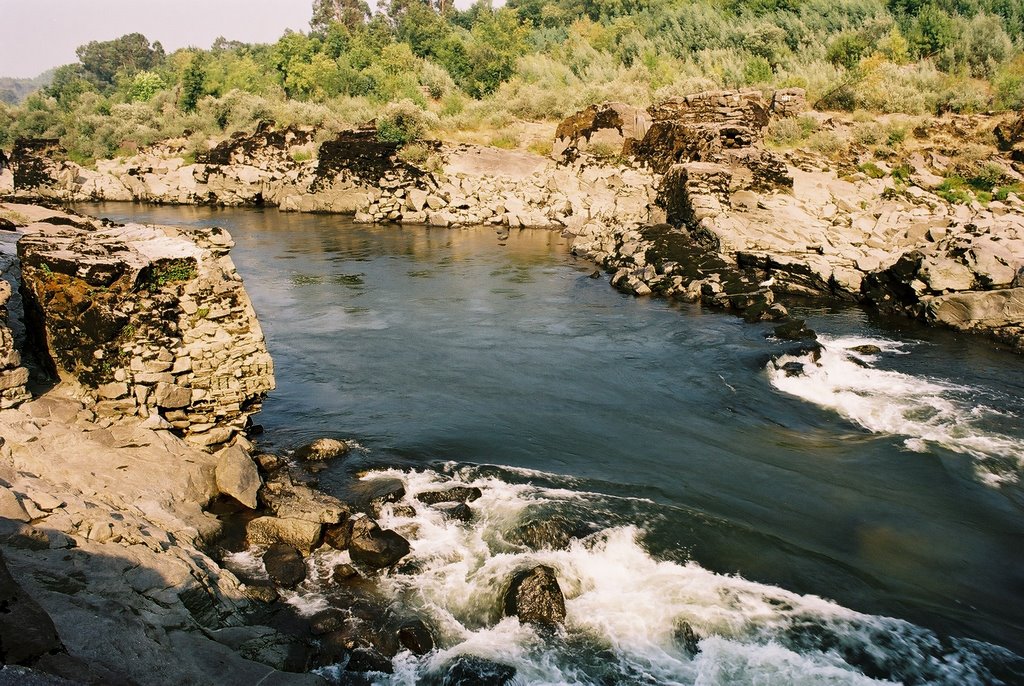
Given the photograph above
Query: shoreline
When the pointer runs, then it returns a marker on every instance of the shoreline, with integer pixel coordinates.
(692, 205)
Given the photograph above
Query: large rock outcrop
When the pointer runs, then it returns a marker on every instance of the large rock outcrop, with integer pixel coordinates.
(149, 320)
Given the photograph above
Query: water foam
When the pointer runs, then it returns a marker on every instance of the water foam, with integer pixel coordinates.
(627, 611)
(926, 412)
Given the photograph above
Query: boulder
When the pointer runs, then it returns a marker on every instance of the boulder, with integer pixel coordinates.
(322, 449)
(300, 533)
(338, 535)
(977, 309)
(288, 499)
(237, 476)
(457, 511)
(456, 494)
(11, 508)
(469, 670)
(415, 637)
(374, 547)
(553, 532)
(535, 597)
(369, 496)
(284, 565)
(280, 651)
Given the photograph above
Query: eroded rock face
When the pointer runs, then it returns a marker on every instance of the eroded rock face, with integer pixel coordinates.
(614, 126)
(1010, 137)
(151, 320)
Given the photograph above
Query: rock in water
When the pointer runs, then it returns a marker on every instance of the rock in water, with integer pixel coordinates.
(469, 670)
(374, 547)
(456, 494)
(338, 535)
(284, 564)
(415, 637)
(534, 596)
(237, 476)
(322, 449)
(866, 349)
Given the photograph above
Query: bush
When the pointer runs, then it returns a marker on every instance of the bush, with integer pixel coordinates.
(402, 122)
(790, 131)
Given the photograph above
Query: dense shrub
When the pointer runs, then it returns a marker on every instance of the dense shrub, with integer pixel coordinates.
(402, 122)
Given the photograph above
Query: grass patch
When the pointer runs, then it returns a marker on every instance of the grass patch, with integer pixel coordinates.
(871, 170)
(172, 271)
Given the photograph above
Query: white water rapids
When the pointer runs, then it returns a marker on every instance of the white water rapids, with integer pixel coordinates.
(924, 412)
(625, 609)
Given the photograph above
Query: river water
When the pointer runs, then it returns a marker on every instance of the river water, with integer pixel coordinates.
(722, 492)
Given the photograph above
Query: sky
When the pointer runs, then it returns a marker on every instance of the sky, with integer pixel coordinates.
(36, 35)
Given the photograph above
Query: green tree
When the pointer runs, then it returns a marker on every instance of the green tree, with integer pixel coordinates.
(193, 82)
(348, 13)
(130, 53)
(144, 85)
(69, 81)
(932, 31)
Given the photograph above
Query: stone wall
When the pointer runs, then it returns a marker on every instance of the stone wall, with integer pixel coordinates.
(152, 321)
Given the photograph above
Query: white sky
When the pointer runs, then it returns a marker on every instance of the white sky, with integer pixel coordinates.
(36, 35)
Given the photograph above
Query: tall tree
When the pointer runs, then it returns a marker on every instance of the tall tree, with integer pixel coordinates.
(130, 53)
(193, 83)
(351, 13)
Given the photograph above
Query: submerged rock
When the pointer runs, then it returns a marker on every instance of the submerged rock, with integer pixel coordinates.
(535, 597)
(470, 670)
(456, 494)
(322, 449)
(415, 637)
(374, 547)
(555, 532)
(284, 564)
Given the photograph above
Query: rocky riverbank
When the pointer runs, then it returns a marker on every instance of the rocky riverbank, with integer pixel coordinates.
(684, 199)
(143, 539)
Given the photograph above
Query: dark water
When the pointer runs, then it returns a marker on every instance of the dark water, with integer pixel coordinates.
(431, 346)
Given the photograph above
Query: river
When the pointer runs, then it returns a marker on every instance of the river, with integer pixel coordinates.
(721, 491)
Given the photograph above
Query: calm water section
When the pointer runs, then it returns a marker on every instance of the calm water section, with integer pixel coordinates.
(433, 345)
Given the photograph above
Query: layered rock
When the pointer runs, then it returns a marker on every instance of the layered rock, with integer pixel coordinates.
(151, 321)
(13, 376)
(113, 550)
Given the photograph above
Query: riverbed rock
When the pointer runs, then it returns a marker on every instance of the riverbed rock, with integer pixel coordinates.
(371, 495)
(551, 532)
(300, 533)
(374, 547)
(237, 476)
(26, 631)
(415, 637)
(284, 564)
(534, 596)
(288, 499)
(322, 449)
(469, 670)
(455, 494)
(338, 535)
(11, 507)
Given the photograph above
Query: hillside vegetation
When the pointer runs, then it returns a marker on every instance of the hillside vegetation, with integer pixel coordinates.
(416, 66)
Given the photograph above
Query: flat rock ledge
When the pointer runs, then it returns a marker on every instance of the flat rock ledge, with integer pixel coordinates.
(149, 321)
(104, 534)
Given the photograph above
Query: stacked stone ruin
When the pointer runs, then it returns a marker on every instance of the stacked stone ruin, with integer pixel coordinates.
(150, 321)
